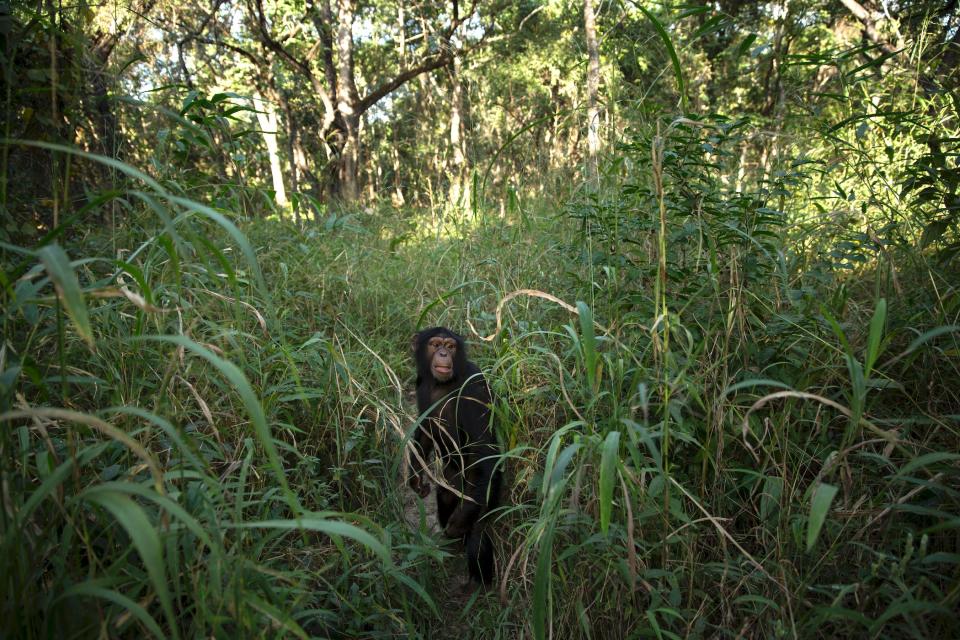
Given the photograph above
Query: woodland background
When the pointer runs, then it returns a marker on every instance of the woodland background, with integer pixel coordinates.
(705, 253)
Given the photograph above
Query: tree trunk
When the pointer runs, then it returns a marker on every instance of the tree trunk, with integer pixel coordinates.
(347, 104)
(397, 198)
(293, 136)
(268, 120)
(593, 88)
(459, 185)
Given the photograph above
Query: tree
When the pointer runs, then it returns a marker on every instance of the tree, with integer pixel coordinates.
(269, 122)
(342, 102)
(593, 88)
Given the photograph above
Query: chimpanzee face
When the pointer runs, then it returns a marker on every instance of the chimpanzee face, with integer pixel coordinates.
(440, 355)
(441, 350)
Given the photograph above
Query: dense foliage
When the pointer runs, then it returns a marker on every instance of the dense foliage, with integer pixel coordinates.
(724, 337)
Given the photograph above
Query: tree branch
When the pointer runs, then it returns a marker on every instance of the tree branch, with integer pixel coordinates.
(249, 55)
(869, 24)
(431, 62)
(387, 87)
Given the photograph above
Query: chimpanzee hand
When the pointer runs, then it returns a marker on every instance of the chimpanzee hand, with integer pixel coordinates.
(419, 485)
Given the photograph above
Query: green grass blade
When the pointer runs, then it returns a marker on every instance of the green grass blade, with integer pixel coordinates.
(588, 342)
(122, 167)
(541, 584)
(439, 299)
(164, 502)
(928, 459)
(282, 622)
(323, 525)
(550, 460)
(57, 264)
(95, 591)
(54, 480)
(755, 382)
(238, 237)
(145, 538)
(417, 588)
(930, 335)
(876, 334)
(609, 457)
(563, 461)
(671, 50)
(819, 507)
(182, 446)
(837, 329)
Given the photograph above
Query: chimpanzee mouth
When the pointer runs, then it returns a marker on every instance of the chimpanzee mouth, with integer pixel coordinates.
(442, 369)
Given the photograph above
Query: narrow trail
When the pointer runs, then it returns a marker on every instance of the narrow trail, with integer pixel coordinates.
(453, 595)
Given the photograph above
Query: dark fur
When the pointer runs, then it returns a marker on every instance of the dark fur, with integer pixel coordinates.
(467, 452)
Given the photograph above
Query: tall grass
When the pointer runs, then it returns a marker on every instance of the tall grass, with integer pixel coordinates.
(203, 435)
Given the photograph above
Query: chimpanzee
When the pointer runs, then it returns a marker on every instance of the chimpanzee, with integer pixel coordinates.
(459, 425)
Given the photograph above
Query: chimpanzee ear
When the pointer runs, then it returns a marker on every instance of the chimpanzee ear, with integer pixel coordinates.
(414, 343)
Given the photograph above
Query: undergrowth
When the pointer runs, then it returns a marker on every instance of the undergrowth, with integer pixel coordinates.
(713, 426)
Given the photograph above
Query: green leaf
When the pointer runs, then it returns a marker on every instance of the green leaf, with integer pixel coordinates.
(57, 264)
(933, 232)
(145, 538)
(674, 60)
(876, 334)
(770, 498)
(715, 23)
(325, 525)
(873, 62)
(745, 45)
(819, 506)
(928, 459)
(608, 473)
(589, 342)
